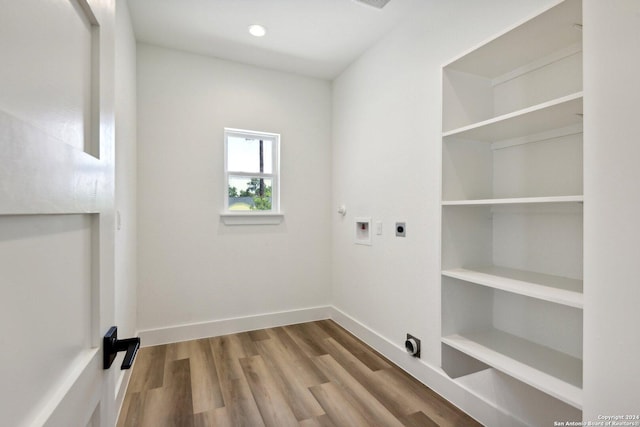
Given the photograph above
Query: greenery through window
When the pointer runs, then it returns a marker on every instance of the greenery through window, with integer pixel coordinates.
(251, 170)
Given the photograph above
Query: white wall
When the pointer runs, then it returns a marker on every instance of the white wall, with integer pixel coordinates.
(386, 164)
(192, 268)
(612, 208)
(126, 274)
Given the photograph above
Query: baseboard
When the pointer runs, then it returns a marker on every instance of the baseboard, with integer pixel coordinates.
(432, 376)
(234, 325)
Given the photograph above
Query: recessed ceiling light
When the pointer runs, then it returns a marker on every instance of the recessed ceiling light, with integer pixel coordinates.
(257, 30)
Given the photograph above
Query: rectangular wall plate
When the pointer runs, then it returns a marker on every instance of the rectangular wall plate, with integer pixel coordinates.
(363, 231)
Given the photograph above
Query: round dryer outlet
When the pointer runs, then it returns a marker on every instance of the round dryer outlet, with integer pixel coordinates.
(412, 344)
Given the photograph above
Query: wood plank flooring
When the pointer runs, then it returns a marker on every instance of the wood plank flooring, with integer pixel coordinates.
(307, 375)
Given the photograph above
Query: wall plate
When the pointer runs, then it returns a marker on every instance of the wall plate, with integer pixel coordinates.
(363, 231)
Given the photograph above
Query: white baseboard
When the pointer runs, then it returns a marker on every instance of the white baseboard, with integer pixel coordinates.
(234, 325)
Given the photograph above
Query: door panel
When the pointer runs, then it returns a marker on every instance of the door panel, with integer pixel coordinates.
(46, 75)
(46, 292)
(56, 211)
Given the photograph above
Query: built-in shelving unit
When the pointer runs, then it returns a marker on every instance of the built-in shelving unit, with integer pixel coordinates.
(512, 203)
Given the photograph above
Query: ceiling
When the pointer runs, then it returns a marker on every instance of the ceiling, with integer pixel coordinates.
(317, 38)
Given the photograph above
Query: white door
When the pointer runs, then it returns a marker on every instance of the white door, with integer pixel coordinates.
(56, 211)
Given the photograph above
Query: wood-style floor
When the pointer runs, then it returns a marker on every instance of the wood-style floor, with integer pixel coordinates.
(306, 375)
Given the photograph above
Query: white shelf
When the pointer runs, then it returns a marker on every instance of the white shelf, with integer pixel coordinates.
(548, 32)
(550, 371)
(514, 201)
(559, 290)
(558, 113)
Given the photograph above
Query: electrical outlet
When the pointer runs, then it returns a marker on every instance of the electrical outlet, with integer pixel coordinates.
(412, 344)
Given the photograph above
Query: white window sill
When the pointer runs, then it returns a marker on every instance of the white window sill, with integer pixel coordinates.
(252, 218)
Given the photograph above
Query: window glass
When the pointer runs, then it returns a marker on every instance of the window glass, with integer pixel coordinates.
(244, 155)
(248, 193)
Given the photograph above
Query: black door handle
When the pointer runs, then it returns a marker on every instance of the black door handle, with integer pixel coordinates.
(112, 345)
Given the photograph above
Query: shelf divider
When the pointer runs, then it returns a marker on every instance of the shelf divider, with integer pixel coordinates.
(557, 113)
(515, 201)
(559, 32)
(555, 289)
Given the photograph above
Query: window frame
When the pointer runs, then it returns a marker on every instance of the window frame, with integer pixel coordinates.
(272, 216)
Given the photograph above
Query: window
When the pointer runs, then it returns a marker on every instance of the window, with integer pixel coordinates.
(252, 173)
